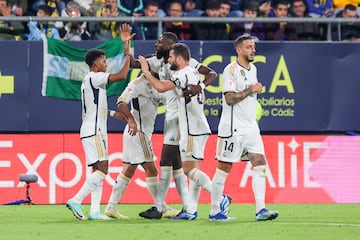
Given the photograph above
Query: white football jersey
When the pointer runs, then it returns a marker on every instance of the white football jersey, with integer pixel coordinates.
(94, 104)
(235, 119)
(192, 120)
(165, 73)
(144, 102)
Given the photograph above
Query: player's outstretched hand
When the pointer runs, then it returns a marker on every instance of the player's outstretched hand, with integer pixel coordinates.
(125, 32)
(144, 64)
(192, 90)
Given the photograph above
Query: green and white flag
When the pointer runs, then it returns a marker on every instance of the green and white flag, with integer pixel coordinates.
(65, 68)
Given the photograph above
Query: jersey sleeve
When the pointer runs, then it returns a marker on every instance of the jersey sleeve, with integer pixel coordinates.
(175, 79)
(195, 64)
(229, 84)
(100, 79)
(131, 91)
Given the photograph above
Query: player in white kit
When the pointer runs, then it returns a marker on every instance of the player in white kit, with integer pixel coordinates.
(93, 132)
(137, 150)
(238, 130)
(193, 126)
(170, 163)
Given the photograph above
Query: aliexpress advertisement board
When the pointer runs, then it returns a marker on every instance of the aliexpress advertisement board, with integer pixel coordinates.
(302, 169)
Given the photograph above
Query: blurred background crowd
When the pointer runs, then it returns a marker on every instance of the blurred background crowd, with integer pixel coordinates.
(185, 30)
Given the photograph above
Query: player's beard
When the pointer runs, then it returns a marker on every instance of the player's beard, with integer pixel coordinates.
(173, 66)
(161, 53)
(250, 59)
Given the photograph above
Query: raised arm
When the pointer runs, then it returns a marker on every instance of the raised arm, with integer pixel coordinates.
(160, 86)
(126, 38)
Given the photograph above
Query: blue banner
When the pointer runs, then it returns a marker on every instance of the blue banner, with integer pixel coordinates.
(307, 87)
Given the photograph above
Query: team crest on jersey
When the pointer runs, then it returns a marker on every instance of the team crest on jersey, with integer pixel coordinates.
(242, 72)
(130, 90)
(224, 154)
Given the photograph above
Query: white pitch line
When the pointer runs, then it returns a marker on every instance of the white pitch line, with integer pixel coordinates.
(321, 224)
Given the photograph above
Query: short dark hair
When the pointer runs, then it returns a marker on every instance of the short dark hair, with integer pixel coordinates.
(170, 36)
(251, 5)
(227, 2)
(92, 55)
(154, 4)
(212, 4)
(47, 10)
(242, 38)
(280, 2)
(181, 49)
(350, 7)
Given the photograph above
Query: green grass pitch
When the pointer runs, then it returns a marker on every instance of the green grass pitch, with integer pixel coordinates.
(296, 221)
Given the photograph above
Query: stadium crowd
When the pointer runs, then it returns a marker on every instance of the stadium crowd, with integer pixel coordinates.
(75, 31)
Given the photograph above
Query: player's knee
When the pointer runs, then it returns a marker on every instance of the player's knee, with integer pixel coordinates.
(102, 167)
(256, 159)
(151, 172)
(129, 172)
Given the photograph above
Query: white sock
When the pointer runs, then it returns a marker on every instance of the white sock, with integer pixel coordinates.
(194, 193)
(218, 184)
(96, 198)
(163, 187)
(152, 184)
(201, 179)
(118, 189)
(182, 187)
(259, 186)
(91, 183)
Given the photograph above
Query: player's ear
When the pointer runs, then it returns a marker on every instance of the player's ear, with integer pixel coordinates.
(96, 63)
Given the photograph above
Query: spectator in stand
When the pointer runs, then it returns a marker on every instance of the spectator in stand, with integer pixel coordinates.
(349, 31)
(225, 7)
(320, 8)
(105, 30)
(162, 6)
(131, 7)
(306, 31)
(57, 6)
(193, 8)
(282, 31)
(265, 9)
(18, 7)
(89, 7)
(45, 27)
(73, 30)
(224, 11)
(250, 10)
(150, 29)
(210, 30)
(9, 30)
(181, 29)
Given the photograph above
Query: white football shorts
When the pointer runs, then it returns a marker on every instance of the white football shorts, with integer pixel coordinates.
(95, 148)
(137, 149)
(230, 149)
(171, 132)
(193, 147)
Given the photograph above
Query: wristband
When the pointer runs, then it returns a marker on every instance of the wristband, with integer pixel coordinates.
(112, 113)
(202, 85)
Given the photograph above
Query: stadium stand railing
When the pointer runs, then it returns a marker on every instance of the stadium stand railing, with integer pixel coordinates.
(162, 20)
